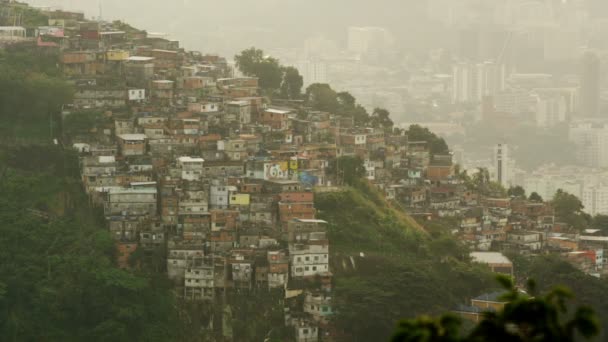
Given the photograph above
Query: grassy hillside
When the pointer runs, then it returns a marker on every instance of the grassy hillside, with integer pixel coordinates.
(387, 267)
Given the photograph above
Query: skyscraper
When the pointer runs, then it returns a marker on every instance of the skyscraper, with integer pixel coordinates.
(589, 91)
(473, 82)
(501, 164)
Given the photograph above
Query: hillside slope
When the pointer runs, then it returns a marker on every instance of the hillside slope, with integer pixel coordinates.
(387, 268)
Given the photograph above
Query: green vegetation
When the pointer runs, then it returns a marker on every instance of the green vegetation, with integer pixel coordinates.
(387, 267)
(569, 209)
(535, 197)
(291, 87)
(437, 145)
(271, 75)
(524, 318)
(23, 15)
(351, 169)
(322, 97)
(517, 191)
(381, 119)
(551, 271)
(82, 122)
(58, 279)
(480, 183)
(31, 95)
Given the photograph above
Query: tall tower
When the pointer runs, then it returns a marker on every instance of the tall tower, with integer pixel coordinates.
(589, 91)
(501, 164)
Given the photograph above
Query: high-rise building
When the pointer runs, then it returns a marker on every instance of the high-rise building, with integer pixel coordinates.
(502, 165)
(591, 140)
(312, 72)
(589, 93)
(595, 199)
(473, 82)
(463, 83)
(551, 109)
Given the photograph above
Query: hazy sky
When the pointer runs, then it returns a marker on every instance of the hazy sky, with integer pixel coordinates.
(230, 25)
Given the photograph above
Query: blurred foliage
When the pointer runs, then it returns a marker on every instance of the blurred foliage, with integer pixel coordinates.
(525, 317)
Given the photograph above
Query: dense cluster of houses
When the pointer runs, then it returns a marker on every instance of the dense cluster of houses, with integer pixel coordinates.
(193, 164)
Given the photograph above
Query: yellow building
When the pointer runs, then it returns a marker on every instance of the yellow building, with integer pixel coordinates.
(240, 199)
(117, 55)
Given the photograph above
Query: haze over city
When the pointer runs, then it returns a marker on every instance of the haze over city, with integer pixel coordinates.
(308, 171)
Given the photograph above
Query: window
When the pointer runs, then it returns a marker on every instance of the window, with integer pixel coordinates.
(314, 268)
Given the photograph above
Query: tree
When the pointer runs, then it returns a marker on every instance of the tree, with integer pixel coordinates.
(348, 106)
(61, 283)
(252, 62)
(346, 101)
(600, 222)
(291, 87)
(381, 119)
(349, 168)
(437, 145)
(517, 191)
(535, 197)
(524, 318)
(269, 74)
(248, 60)
(569, 209)
(320, 96)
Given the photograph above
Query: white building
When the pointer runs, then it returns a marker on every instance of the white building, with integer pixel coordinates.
(137, 94)
(192, 168)
(591, 138)
(312, 72)
(472, 82)
(219, 196)
(550, 110)
(203, 107)
(308, 260)
(595, 199)
(12, 33)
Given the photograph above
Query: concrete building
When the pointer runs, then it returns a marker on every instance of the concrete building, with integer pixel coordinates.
(589, 104)
(191, 168)
(472, 82)
(550, 110)
(137, 202)
(595, 199)
(310, 259)
(502, 165)
(312, 71)
(591, 138)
